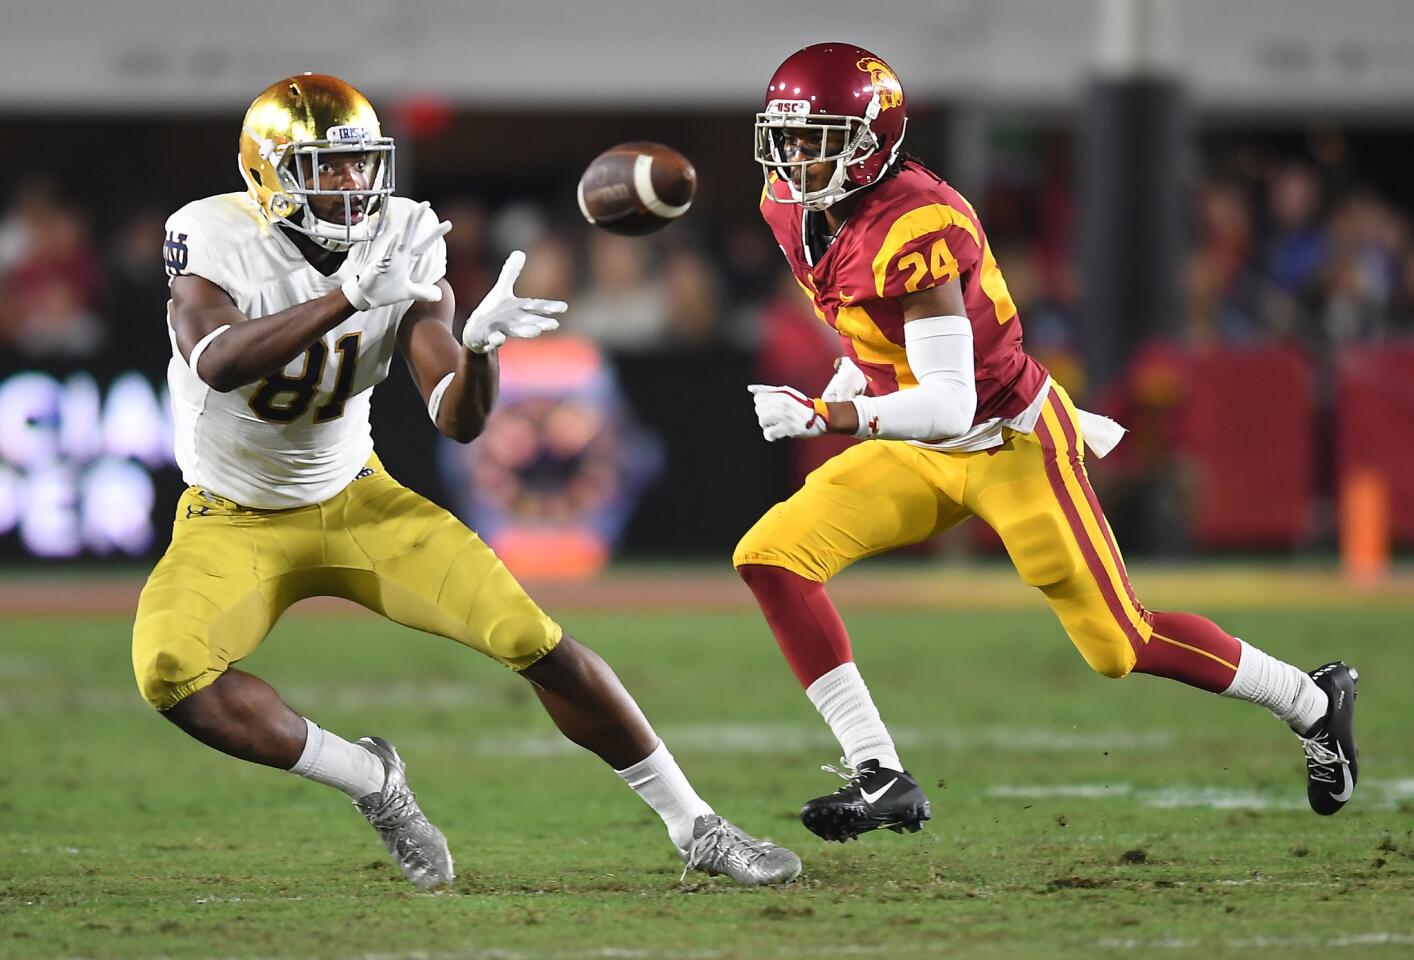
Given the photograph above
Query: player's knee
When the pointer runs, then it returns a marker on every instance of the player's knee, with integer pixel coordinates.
(169, 659)
(763, 546)
(1105, 648)
(772, 584)
(1040, 550)
(754, 548)
(1114, 664)
(521, 639)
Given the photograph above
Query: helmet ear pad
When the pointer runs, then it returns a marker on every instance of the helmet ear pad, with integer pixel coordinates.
(868, 171)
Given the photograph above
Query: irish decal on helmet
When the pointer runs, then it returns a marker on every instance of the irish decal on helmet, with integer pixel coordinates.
(347, 133)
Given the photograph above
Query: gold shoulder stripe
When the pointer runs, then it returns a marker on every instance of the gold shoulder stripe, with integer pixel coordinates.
(916, 223)
(771, 182)
(814, 304)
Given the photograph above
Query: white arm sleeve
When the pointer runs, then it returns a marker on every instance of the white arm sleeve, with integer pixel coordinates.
(944, 402)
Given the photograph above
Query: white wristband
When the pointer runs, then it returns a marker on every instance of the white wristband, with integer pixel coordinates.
(200, 348)
(434, 401)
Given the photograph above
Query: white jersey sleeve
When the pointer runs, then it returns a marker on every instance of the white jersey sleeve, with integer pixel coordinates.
(194, 246)
(302, 434)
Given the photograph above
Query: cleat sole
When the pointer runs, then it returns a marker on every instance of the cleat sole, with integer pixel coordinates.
(839, 826)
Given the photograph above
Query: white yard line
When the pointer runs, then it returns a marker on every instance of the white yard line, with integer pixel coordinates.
(941, 947)
(1374, 939)
(758, 738)
(1376, 793)
(1038, 791)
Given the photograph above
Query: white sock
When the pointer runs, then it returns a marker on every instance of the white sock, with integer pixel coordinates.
(1287, 691)
(844, 701)
(663, 786)
(332, 760)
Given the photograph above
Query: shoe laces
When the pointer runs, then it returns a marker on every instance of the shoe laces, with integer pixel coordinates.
(719, 841)
(1321, 760)
(847, 772)
(394, 808)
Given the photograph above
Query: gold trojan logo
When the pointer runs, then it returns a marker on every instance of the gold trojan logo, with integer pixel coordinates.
(886, 85)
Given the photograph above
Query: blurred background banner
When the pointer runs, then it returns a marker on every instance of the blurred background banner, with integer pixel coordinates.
(1203, 211)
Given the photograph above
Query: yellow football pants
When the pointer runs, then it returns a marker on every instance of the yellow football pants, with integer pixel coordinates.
(1032, 490)
(231, 571)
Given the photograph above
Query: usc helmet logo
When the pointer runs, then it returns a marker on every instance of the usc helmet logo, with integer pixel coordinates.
(886, 85)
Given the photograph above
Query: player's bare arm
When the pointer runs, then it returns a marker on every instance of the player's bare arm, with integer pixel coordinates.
(248, 350)
(458, 385)
(227, 349)
(460, 381)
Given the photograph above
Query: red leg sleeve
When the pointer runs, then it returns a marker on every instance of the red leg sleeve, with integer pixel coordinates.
(807, 626)
(1190, 649)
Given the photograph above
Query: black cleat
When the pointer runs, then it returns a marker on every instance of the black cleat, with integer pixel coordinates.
(874, 797)
(1332, 763)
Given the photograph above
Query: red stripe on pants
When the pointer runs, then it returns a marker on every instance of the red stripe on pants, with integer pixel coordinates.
(1068, 429)
(1077, 526)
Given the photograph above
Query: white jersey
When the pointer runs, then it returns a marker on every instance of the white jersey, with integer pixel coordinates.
(300, 436)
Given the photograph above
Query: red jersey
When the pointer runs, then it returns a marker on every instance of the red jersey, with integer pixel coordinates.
(910, 232)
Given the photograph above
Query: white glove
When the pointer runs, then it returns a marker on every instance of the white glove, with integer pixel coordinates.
(503, 314)
(848, 382)
(786, 412)
(389, 280)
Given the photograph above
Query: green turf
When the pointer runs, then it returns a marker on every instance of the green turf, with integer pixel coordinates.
(1180, 826)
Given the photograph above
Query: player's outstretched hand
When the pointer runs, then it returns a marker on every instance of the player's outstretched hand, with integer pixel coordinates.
(848, 382)
(785, 412)
(389, 280)
(503, 315)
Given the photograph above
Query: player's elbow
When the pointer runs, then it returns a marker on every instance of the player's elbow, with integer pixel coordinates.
(218, 377)
(953, 423)
(220, 371)
(463, 429)
(955, 410)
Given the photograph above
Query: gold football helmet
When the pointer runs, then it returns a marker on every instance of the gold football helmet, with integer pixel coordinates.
(308, 116)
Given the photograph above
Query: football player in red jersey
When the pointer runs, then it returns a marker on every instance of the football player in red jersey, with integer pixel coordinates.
(959, 422)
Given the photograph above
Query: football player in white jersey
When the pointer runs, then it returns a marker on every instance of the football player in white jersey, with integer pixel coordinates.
(288, 302)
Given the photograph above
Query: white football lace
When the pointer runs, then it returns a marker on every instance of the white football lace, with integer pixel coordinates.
(852, 775)
(1322, 760)
(394, 809)
(719, 841)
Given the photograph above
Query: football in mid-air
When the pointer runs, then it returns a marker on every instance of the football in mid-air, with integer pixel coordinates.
(636, 188)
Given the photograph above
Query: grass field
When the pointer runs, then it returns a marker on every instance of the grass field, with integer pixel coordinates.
(1074, 816)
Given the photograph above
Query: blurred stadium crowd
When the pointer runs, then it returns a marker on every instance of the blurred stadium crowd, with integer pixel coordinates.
(1298, 257)
(1282, 247)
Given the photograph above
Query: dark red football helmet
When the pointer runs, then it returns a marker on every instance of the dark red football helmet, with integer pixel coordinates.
(831, 102)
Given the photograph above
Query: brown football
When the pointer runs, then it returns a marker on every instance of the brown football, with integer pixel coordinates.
(636, 188)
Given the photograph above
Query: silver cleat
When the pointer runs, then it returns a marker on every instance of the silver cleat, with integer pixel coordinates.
(720, 847)
(418, 848)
